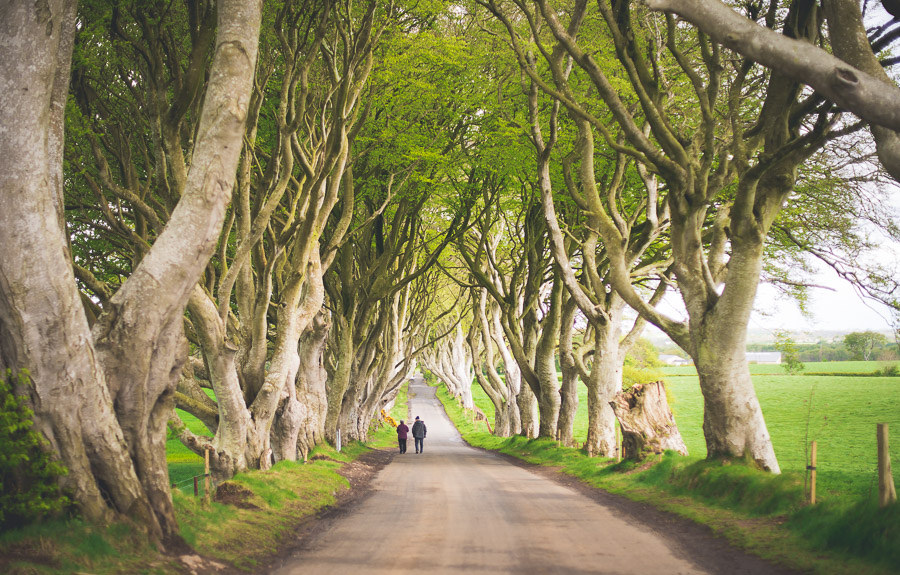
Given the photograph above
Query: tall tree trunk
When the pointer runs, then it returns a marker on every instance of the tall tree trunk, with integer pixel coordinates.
(281, 412)
(339, 380)
(545, 363)
(569, 389)
(72, 404)
(311, 384)
(733, 422)
(118, 381)
(452, 364)
(604, 380)
(511, 375)
(528, 412)
(228, 456)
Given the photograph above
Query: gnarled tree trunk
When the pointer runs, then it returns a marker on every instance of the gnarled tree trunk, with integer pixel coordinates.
(569, 389)
(648, 425)
(103, 397)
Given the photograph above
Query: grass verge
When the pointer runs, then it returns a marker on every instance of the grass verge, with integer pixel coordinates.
(264, 510)
(757, 511)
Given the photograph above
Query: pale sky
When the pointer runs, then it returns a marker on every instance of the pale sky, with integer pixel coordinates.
(841, 310)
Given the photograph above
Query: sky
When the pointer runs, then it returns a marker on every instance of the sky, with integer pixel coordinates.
(839, 310)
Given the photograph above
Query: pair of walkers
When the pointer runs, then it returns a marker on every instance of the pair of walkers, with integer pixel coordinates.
(418, 432)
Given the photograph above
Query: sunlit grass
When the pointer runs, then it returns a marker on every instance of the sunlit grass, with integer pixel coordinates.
(839, 413)
(763, 512)
(281, 496)
(72, 546)
(246, 537)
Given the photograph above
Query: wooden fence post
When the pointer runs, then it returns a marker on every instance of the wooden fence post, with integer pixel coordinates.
(812, 473)
(196, 486)
(887, 493)
(206, 474)
(618, 442)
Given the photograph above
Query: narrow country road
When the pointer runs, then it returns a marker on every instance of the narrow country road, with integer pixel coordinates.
(454, 509)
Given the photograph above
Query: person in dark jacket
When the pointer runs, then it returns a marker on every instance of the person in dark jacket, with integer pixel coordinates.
(419, 430)
(402, 431)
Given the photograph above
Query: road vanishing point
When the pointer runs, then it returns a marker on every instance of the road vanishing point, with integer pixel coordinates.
(456, 509)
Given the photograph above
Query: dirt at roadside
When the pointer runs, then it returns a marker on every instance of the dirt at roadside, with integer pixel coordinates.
(359, 473)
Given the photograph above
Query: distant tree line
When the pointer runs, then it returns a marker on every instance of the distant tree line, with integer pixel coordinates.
(856, 346)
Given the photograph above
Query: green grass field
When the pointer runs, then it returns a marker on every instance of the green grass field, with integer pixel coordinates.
(840, 413)
(184, 464)
(809, 368)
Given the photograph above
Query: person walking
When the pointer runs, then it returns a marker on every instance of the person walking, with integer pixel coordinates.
(402, 431)
(419, 430)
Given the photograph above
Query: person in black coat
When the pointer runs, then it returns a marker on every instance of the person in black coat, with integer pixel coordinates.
(419, 430)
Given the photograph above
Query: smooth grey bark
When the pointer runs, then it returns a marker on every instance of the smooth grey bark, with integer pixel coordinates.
(591, 295)
(850, 43)
(500, 393)
(528, 412)
(451, 361)
(545, 361)
(279, 261)
(42, 323)
(513, 379)
(568, 390)
(531, 338)
(382, 361)
(604, 380)
(118, 379)
(310, 396)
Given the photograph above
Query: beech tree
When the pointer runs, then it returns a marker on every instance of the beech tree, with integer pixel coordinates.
(640, 220)
(103, 395)
(454, 362)
(306, 112)
(372, 291)
(530, 321)
(489, 350)
(854, 77)
(726, 173)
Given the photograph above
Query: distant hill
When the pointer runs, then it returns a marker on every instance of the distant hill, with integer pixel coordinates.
(763, 336)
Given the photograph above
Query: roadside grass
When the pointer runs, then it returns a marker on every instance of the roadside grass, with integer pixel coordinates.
(275, 500)
(809, 368)
(72, 546)
(270, 506)
(838, 412)
(284, 496)
(763, 513)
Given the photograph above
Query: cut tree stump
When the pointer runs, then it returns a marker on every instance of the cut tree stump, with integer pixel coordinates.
(647, 423)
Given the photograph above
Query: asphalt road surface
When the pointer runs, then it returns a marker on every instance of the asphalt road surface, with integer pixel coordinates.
(455, 509)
